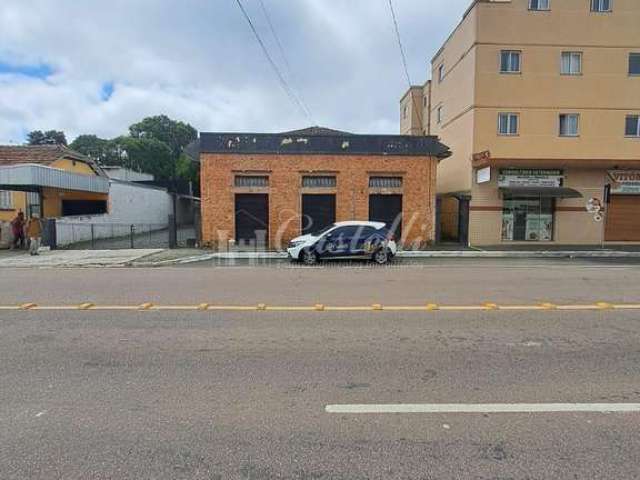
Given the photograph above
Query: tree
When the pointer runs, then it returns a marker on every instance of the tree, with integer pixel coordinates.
(144, 155)
(174, 133)
(50, 137)
(92, 146)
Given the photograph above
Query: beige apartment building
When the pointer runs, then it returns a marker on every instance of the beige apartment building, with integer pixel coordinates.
(539, 101)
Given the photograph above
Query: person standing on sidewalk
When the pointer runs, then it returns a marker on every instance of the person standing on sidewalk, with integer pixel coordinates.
(34, 232)
(17, 229)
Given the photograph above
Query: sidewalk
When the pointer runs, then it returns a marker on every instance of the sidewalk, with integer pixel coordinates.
(166, 257)
(73, 258)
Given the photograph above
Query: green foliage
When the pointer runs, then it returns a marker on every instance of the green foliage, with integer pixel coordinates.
(154, 145)
(50, 137)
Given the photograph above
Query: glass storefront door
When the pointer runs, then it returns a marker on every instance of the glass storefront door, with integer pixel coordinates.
(527, 219)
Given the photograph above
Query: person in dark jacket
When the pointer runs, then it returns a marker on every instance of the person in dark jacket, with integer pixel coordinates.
(17, 229)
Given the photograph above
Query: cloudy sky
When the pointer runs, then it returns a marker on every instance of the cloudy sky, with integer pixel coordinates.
(96, 66)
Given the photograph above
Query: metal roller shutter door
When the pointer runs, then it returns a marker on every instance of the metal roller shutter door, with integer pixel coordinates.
(318, 211)
(387, 209)
(252, 216)
(623, 219)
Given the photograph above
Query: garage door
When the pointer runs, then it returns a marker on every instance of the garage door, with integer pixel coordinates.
(318, 211)
(623, 219)
(387, 209)
(252, 217)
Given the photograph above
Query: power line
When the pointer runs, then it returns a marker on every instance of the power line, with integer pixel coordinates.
(404, 63)
(284, 57)
(282, 80)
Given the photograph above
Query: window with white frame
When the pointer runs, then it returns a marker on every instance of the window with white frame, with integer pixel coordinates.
(6, 200)
(634, 64)
(510, 61)
(440, 73)
(539, 4)
(439, 112)
(600, 5)
(569, 124)
(571, 63)
(632, 126)
(508, 123)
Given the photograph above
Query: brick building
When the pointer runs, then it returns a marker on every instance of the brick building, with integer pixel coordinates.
(261, 190)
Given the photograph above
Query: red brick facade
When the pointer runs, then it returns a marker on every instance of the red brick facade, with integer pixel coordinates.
(285, 172)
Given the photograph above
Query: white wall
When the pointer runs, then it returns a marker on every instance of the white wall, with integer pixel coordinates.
(146, 207)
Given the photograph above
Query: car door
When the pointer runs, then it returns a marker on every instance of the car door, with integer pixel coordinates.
(363, 240)
(338, 242)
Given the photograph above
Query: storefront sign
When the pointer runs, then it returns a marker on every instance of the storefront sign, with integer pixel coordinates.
(483, 175)
(626, 182)
(520, 177)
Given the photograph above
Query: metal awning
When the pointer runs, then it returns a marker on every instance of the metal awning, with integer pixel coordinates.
(541, 192)
(32, 177)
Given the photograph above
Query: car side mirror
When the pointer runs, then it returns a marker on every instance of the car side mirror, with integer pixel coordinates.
(329, 235)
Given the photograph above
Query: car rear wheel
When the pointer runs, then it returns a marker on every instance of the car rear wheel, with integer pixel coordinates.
(309, 257)
(381, 257)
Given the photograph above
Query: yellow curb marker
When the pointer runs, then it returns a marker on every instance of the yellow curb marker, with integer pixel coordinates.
(432, 306)
(261, 306)
(86, 306)
(490, 306)
(145, 306)
(548, 306)
(28, 306)
(318, 307)
(203, 306)
(376, 306)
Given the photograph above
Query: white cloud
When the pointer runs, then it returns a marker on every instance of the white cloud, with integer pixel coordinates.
(197, 61)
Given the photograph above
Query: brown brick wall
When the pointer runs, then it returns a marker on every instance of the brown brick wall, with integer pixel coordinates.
(285, 190)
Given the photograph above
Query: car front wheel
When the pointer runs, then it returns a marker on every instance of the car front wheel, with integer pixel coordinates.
(309, 257)
(382, 256)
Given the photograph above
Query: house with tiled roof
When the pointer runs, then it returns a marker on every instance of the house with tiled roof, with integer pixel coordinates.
(50, 180)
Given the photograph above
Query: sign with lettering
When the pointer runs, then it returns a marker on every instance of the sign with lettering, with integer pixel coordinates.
(526, 177)
(625, 182)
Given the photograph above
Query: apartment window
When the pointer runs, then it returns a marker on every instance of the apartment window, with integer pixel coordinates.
(600, 5)
(251, 181)
(539, 4)
(569, 124)
(404, 112)
(319, 182)
(634, 64)
(632, 126)
(440, 73)
(508, 123)
(385, 182)
(571, 63)
(6, 200)
(510, 61)
(439, 115)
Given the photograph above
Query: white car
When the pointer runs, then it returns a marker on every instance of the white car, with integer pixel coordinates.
(345, 240)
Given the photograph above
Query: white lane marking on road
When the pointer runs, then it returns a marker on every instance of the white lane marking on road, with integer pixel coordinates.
(486, 408)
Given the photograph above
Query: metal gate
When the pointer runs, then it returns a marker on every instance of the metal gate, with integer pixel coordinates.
(318, 212)
(387, 209)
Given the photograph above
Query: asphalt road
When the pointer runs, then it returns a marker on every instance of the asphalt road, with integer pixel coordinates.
(224, 395)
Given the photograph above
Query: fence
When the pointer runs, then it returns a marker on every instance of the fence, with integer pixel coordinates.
(114, 236)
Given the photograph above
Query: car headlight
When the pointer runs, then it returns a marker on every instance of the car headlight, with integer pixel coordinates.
(296, 244)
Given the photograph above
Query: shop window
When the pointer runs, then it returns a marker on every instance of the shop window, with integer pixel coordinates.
(510, 61)
(571, 63)
(319, 181)
(632, 126)
(539, 4)
(527, 219)
(251, 181)
(600, 5)
(6, 200)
